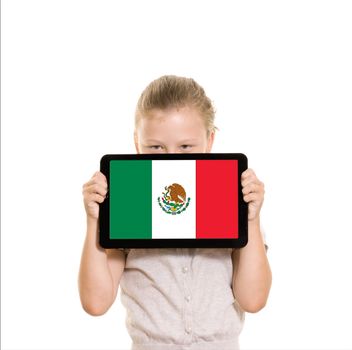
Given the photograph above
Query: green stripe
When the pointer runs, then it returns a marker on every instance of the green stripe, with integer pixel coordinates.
(130, 199)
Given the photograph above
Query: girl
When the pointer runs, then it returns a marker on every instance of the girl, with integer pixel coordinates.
(188, 298)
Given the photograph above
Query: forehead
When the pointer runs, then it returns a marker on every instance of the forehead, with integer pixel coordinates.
(172, 125)
(181, 121)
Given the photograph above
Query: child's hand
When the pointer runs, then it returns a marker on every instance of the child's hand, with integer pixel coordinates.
(94, 192)
(253, 193)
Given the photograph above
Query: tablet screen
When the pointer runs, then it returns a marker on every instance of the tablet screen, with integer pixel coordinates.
(173, 202)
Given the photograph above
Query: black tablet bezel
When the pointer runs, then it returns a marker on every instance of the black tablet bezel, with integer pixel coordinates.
(104, 210)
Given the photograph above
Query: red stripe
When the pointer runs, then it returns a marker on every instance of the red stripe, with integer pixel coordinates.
(217, 205)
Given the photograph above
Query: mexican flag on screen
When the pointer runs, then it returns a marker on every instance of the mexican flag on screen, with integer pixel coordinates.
(173, 199)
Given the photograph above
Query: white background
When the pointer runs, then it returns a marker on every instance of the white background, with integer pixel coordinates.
(280, 76)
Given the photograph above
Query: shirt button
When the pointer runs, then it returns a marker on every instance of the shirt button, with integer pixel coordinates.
(188, 329)
(184, 269)
(188, 297)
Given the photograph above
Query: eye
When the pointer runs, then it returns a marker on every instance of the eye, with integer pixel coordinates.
(186, 146)
(154, 147)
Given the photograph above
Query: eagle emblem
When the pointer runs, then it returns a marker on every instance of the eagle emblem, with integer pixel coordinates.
(173, 200)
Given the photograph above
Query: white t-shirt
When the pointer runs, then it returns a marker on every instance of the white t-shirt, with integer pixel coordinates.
(181, 299)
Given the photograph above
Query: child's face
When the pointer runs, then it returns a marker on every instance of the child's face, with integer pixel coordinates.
(173, 131)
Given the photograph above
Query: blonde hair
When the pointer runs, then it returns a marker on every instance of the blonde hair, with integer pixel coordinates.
(171, 91)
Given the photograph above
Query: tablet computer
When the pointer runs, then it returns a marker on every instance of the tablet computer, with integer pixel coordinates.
(173, 200)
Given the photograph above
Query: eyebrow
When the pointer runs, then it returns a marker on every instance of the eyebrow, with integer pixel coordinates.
(183, 141)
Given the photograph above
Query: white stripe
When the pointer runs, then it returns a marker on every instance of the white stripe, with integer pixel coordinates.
(166, 173)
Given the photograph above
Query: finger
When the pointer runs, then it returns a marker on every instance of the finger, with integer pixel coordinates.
(254, 180)
(247, 173)
(100, 175)
(252, 187)
(95, 188)
(247, 181)
(95, 197)
(96, 180)
(252, 197)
